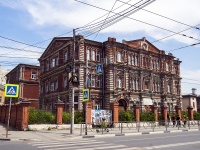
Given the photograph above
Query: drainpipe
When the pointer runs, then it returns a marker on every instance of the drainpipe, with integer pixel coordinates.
(103, 88)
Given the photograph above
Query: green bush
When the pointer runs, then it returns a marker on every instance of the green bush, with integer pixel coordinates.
(126, 116)
(41, 116)
(66, 117)
(196, 116)
(78, 117)
(147, 116)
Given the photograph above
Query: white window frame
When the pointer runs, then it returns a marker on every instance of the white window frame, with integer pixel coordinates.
(136, 84)
(136, 60)
(88, 54)
(168, 88)
(119, 56)
(93, 81)
(93, 55)
(133, 60)
(65, 55)
(99, 81)
(53, 62)
(119, 82)
(129, 59)
(34, 75)
(57, 61)
(133, 84)
(167, 66)
(65, 82)
(98, 56)
(52, 86)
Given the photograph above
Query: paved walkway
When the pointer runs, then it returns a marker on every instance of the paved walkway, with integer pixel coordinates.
(47, 135)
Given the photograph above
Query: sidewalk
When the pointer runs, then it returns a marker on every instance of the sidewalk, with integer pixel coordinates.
(49, 135)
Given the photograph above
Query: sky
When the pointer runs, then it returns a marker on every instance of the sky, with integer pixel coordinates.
(171, 25)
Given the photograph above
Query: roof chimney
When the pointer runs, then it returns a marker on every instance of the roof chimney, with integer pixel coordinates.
(194, 91)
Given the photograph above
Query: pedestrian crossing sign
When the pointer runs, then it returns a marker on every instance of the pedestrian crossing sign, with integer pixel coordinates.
(86, 95)
(11, 90)
(99, 69)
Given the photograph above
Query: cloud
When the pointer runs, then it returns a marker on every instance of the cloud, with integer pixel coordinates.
(190, 79)
(71, 14)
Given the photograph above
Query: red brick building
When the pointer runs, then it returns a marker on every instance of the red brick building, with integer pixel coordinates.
(135, 72)
(27, 76)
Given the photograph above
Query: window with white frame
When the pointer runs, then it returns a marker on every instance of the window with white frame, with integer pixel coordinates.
(167, 66)
(129, 59)
(133, 60)
(136, 60)
(99, 81)
(33, 75)
(52, 86)
(168, 88)
(119, 56)
(119, 82)
(97, 105)
(158, 87)
(65, 56)
(136, 84)
(88, 54)
(53, 62)
(98, 56)
(93, 55)
(57, 61)
(93, 81)
(65, 82)
(133, 84)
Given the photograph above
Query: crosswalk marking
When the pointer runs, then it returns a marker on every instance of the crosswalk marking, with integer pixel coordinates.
(77, 145)
(68, 144)
(83, 147)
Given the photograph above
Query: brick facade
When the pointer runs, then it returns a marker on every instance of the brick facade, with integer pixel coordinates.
(27, 76)
(135, 73)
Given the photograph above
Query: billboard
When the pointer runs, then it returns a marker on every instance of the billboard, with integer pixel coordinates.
(98, 115)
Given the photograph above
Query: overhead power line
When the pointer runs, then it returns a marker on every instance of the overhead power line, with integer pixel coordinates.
(138, 21)
(106, 18)
(183, 47)
(162, 16)
(3, 37)
(19, 49)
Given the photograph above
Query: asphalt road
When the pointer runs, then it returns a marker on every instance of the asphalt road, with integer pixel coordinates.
(166, 141)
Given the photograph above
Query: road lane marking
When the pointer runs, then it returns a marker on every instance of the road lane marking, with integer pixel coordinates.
(171, 145)
(154, 138)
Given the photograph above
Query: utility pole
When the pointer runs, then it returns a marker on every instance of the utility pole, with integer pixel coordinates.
(72, 75)
(86, 86)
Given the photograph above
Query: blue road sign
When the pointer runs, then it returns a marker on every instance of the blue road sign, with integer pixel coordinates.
(86, 95)
(11, 90)
(99, 69)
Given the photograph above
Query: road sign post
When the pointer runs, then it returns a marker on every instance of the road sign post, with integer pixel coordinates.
(11, 90)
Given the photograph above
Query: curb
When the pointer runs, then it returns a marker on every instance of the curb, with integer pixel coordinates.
(103, 135)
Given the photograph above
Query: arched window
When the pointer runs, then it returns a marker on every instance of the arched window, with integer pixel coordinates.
(167, 66)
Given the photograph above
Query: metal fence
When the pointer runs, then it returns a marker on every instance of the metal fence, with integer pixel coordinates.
(135, 127)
